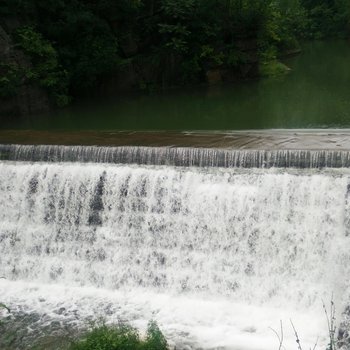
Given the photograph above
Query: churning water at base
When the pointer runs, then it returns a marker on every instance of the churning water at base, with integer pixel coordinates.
(216, 256)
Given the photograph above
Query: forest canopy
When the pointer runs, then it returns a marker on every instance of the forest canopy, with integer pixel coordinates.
(76, 45)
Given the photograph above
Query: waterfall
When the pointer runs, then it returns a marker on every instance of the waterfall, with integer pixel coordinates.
(179, 156)
(217, 252)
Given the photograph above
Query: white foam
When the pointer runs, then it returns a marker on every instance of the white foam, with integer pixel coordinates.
(215, 256)
(196, 321)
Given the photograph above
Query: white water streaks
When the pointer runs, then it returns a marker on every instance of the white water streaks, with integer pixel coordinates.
(216, 256)
(179, 156)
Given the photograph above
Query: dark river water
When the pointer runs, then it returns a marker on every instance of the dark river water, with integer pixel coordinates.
(315, 94)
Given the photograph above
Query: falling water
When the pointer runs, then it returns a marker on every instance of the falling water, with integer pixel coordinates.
(179, 156)
(215, 255)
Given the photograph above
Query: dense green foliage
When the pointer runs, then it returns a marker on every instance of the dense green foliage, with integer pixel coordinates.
(75, 46)
(10, 79)
(45, 68)
(121, 337)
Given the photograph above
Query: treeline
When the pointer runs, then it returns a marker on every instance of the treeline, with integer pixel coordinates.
(76, 46)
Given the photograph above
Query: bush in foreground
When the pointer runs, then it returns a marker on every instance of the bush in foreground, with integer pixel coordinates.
(121, 337)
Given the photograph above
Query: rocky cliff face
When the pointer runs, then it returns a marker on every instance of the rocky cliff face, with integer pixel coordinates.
(27, 97)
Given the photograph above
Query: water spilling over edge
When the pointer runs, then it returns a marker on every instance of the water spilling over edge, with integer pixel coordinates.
(178, 156)
(215, 254)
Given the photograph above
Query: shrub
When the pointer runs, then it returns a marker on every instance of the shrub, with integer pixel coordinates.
(121, 337)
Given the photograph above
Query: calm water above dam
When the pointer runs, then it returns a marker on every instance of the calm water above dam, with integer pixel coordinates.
(315, 94)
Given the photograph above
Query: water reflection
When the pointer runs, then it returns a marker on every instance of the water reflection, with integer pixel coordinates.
(314, 95)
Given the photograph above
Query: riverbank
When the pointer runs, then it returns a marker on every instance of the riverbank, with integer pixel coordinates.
(313, 95)
(20, 331)
(147, 45)
(33, 331)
